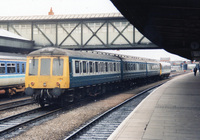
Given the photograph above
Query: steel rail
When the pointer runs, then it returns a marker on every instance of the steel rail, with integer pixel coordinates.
(10, 105)
(83, 128)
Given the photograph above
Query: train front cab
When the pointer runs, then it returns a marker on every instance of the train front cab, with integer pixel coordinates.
(46, 77)
(153, 71)
(165, 69)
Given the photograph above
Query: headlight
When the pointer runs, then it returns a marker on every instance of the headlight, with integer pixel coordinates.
(44, 84)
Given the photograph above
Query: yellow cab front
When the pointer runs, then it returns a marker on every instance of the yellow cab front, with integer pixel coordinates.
(47, 72)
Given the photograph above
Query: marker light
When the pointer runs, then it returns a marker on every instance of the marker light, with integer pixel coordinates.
(57, 83)
(32, 83)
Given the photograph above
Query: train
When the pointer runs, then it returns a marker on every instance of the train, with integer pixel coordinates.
(56, 76)
(12, 73)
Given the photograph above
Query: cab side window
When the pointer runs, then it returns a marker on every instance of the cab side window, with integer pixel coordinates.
(77, 68)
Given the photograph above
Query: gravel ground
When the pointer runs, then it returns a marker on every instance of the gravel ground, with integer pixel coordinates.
(59, 127)
(17, 110)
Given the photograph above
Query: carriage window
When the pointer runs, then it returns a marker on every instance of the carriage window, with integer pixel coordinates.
(114, 66)
(18, 70)
(134, 66)
(126, 66)
(111, 67)
(118, 67)
(91, 67)
(142, 67)
(11, 68)
(23, 68)
(131, 66)
(57, 67)
(33, 66)
(101, 67)
(2, 68)
(77, 67)
(45, 66)
(106, 66)
(84, 67)
(96, 67)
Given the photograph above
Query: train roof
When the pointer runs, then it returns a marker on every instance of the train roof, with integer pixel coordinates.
(51, 51)
(138, 59)
(12, 56)
(165, 64)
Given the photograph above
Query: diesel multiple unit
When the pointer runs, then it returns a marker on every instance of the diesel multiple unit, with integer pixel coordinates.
(55, 75)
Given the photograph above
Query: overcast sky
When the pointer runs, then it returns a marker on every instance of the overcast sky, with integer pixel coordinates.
(42, 7)
(63, 7)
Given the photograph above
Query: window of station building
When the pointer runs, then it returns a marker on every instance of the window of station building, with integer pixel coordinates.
(57, 66)
(35, 31)
(41, 26)
(130, 28)
(17, 26)
(117, 24)
(23, 26)
(2, 26)
(2, 68)
(123, 24)
(98, 24)
(33, 66)
(77, 70)
(11, 68)
(45, 66)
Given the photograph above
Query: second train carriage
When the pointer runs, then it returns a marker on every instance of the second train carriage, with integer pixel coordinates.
(54, 74)
(12, 74)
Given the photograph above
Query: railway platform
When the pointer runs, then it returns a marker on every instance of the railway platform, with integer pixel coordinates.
(171, 112)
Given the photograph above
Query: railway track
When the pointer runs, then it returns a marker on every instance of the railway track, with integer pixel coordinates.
(103, 126)
(14, 122)
(17, 122)
(75, 135)
(10, 105)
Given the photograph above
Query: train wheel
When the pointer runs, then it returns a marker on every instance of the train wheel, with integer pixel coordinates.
(42, 104)
(77, 95)
(103, 89)
(69, 95)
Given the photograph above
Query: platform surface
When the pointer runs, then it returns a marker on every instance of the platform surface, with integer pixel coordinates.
(171, 112)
